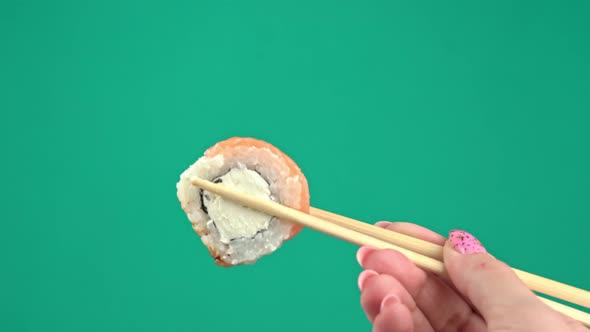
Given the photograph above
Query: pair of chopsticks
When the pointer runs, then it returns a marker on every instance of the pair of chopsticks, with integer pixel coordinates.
(424, 254)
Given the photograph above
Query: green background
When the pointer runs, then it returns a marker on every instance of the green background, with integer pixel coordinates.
(455, 114)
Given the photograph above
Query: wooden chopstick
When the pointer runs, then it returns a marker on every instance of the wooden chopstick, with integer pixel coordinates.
(534, 282)
(329, 227)
(405, 241)
(316, 223)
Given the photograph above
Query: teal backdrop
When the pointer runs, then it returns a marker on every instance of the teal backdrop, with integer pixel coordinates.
(460, 114)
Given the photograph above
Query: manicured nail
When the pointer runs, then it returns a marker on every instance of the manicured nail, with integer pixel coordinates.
(389, 300)
(364, 276)
(362, 253)
(382, 224)
(465, 243)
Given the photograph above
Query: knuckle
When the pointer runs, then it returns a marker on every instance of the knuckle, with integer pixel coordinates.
(489, 266)
(456, 321)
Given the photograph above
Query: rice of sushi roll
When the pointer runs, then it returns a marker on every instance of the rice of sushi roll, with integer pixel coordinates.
(234, 234)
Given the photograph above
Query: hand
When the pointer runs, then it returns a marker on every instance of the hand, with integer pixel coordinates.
(397, 296)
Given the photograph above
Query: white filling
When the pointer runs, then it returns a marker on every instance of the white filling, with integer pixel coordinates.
(233, 220)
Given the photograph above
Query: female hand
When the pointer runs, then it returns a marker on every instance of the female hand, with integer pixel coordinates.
(397, 296)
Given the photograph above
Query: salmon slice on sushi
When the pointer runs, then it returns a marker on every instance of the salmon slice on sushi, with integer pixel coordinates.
(234, 234)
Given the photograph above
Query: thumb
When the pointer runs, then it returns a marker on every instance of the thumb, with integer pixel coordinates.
(490, 285)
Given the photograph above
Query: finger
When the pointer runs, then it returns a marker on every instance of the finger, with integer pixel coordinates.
(393, 316)
(493, 288)
(442, 306)
(376, 288)
(413, 230)
(573, 324)
(554, 320)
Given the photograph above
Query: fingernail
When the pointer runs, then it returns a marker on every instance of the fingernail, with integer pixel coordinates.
(362, 253)
(389, 300)
(465, 243)
(364, 276)
(382, 224)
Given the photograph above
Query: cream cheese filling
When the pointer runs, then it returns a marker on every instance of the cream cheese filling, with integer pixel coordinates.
(233, 220)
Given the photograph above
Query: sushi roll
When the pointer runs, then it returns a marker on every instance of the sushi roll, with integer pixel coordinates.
(234, 234)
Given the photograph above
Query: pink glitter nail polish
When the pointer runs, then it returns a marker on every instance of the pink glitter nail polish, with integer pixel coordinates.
(465, 243)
